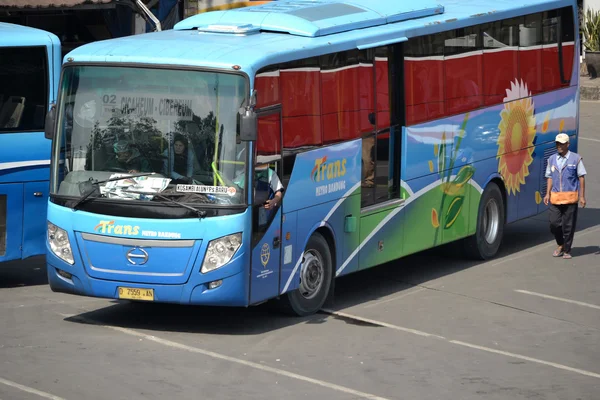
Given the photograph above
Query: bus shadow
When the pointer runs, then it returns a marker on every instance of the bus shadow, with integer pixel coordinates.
(388, 279)
(397, 276)
(28, 272)
(192, 319)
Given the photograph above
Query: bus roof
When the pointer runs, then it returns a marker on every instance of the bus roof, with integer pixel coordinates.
(286, 30)
(19, 35)
(317, 18)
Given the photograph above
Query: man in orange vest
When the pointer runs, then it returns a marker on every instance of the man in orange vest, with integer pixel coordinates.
(566, 188)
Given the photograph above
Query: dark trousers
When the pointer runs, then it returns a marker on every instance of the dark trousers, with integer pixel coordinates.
(562, 224)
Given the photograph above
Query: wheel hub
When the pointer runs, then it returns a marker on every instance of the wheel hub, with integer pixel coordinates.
(491, 221)
(311, 274)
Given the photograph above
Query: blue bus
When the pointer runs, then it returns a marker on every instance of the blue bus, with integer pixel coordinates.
(259, 153)
(29, 73)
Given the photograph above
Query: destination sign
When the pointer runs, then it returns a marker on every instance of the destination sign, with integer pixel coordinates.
(158, 107)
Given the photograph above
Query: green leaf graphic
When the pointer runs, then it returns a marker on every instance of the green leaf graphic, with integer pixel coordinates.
(464, 175)
(461, 131)
(442, 156)
(453, 211)
(404, 193)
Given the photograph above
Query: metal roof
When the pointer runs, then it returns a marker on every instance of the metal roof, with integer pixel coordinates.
(48, 3)
(312, 18)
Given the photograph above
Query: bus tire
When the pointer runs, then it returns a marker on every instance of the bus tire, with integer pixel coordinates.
(490, 225)
(316, 274)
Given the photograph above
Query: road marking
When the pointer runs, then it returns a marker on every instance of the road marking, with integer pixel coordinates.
(528, 252)
(384, 324)
(579, 303)
(520, 357)
(585, 138)
(465, 344)
(29, 389)
(212, 354)
(61, 302)
(394, 298)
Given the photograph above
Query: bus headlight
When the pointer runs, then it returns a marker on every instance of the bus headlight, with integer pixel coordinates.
(220, 251)
(59, 243)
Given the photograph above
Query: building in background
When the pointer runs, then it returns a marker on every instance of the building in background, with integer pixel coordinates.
(192, 7)
(593, 4)
(77, 22)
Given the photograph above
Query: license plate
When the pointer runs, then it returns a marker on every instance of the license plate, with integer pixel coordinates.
(136, 294)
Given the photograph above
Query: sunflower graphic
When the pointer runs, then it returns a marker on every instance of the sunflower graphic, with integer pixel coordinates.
(517, 131)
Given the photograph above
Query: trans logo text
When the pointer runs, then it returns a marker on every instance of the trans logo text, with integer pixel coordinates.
(325, 171)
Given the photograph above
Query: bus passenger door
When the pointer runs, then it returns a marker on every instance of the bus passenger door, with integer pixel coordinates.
(266, 223)
(35, 203)
(11, 221)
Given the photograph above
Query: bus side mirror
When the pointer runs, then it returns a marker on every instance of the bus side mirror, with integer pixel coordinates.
(50, 120)
(248, 126)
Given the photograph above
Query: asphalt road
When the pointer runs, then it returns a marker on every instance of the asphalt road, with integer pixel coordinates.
(430, 326)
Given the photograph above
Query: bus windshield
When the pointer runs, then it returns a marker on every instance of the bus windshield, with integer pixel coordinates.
(167, 133)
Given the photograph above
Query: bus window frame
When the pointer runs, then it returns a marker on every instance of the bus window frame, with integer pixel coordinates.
(119, 207)
(397, 110)
(259, 230)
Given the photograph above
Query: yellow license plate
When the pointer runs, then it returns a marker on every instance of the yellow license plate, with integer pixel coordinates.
(136, 294)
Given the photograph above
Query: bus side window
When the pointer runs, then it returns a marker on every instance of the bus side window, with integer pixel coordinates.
(266, 184)
(268, 158)
(530, 61)
(567, 29)
(463, 70)
(23, 88)
(301, 103)
(500, 58)
(424, 78)
(269, 134)
(381, 149)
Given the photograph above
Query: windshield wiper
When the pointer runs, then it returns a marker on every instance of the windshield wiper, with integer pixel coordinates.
(90, 187)
(201, 213)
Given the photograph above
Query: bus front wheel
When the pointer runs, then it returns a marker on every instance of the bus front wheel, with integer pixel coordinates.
(490, 225)
(316, 273)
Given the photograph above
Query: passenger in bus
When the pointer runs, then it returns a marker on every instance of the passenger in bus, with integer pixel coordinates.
(179, 160)
(127, 159)
(368, 162)
(267, 180)
(102, 154)
(268, 188)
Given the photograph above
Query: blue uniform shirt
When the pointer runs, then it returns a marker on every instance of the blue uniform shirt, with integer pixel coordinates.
(560, 160)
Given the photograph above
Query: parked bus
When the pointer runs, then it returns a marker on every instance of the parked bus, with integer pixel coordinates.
(259, 153)
(29, 73)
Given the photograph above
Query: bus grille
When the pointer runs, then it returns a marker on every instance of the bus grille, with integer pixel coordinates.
(2, 225)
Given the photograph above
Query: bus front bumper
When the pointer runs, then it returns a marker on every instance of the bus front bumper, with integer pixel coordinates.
(230, 290)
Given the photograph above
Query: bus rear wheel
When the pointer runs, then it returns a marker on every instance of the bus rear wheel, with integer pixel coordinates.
(490, 225)
(316, 273)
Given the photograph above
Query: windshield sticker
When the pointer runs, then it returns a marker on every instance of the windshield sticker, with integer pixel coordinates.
(138, 188)
(231, 191)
